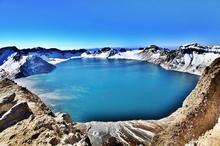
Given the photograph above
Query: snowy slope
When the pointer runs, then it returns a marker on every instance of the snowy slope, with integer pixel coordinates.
(191, 58)
(53, 55)
(5, 53)
(113, 54)
(18, 66)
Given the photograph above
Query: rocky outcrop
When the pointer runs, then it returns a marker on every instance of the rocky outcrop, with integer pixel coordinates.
(12, 111)
(6, 102)
(63, 116)
(7, 99)
(18, 112)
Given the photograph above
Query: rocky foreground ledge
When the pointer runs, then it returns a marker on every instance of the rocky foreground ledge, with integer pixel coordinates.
(26, 120)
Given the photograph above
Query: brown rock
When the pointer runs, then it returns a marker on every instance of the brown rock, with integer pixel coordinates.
(7, 99)
(18, 112)
(64, 116)
(54, 141)
(6, 103)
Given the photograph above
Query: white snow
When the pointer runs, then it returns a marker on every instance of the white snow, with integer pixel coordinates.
(102, 55)
(204, 59)
(215, 48)
(193, 63)
(55, 61)
(187, 59)
(127, 55)
(11, 66)
(120, 55)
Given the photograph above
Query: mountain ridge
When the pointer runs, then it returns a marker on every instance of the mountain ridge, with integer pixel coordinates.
(191, 58)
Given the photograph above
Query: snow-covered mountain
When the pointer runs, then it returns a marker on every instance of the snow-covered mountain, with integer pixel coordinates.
(15, 63)
(17, 66)
(191, 58)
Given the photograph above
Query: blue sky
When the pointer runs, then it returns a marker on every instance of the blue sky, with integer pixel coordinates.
(69, 24)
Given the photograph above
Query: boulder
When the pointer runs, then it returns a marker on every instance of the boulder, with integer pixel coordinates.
(63, 116)
(54, 141)
(18, 112)
(6, 103)
(72, 138)
(7, 99)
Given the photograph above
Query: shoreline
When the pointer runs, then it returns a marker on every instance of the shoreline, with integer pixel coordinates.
(49, 95)
(198, 114)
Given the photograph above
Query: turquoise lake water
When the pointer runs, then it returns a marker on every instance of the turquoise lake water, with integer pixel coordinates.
(112, 90)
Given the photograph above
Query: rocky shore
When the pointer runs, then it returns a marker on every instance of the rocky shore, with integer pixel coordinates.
(26, 120)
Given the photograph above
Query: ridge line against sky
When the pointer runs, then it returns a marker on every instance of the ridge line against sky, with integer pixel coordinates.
(75, 24)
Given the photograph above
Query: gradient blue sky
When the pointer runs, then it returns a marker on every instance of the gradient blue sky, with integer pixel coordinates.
(69, 24)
